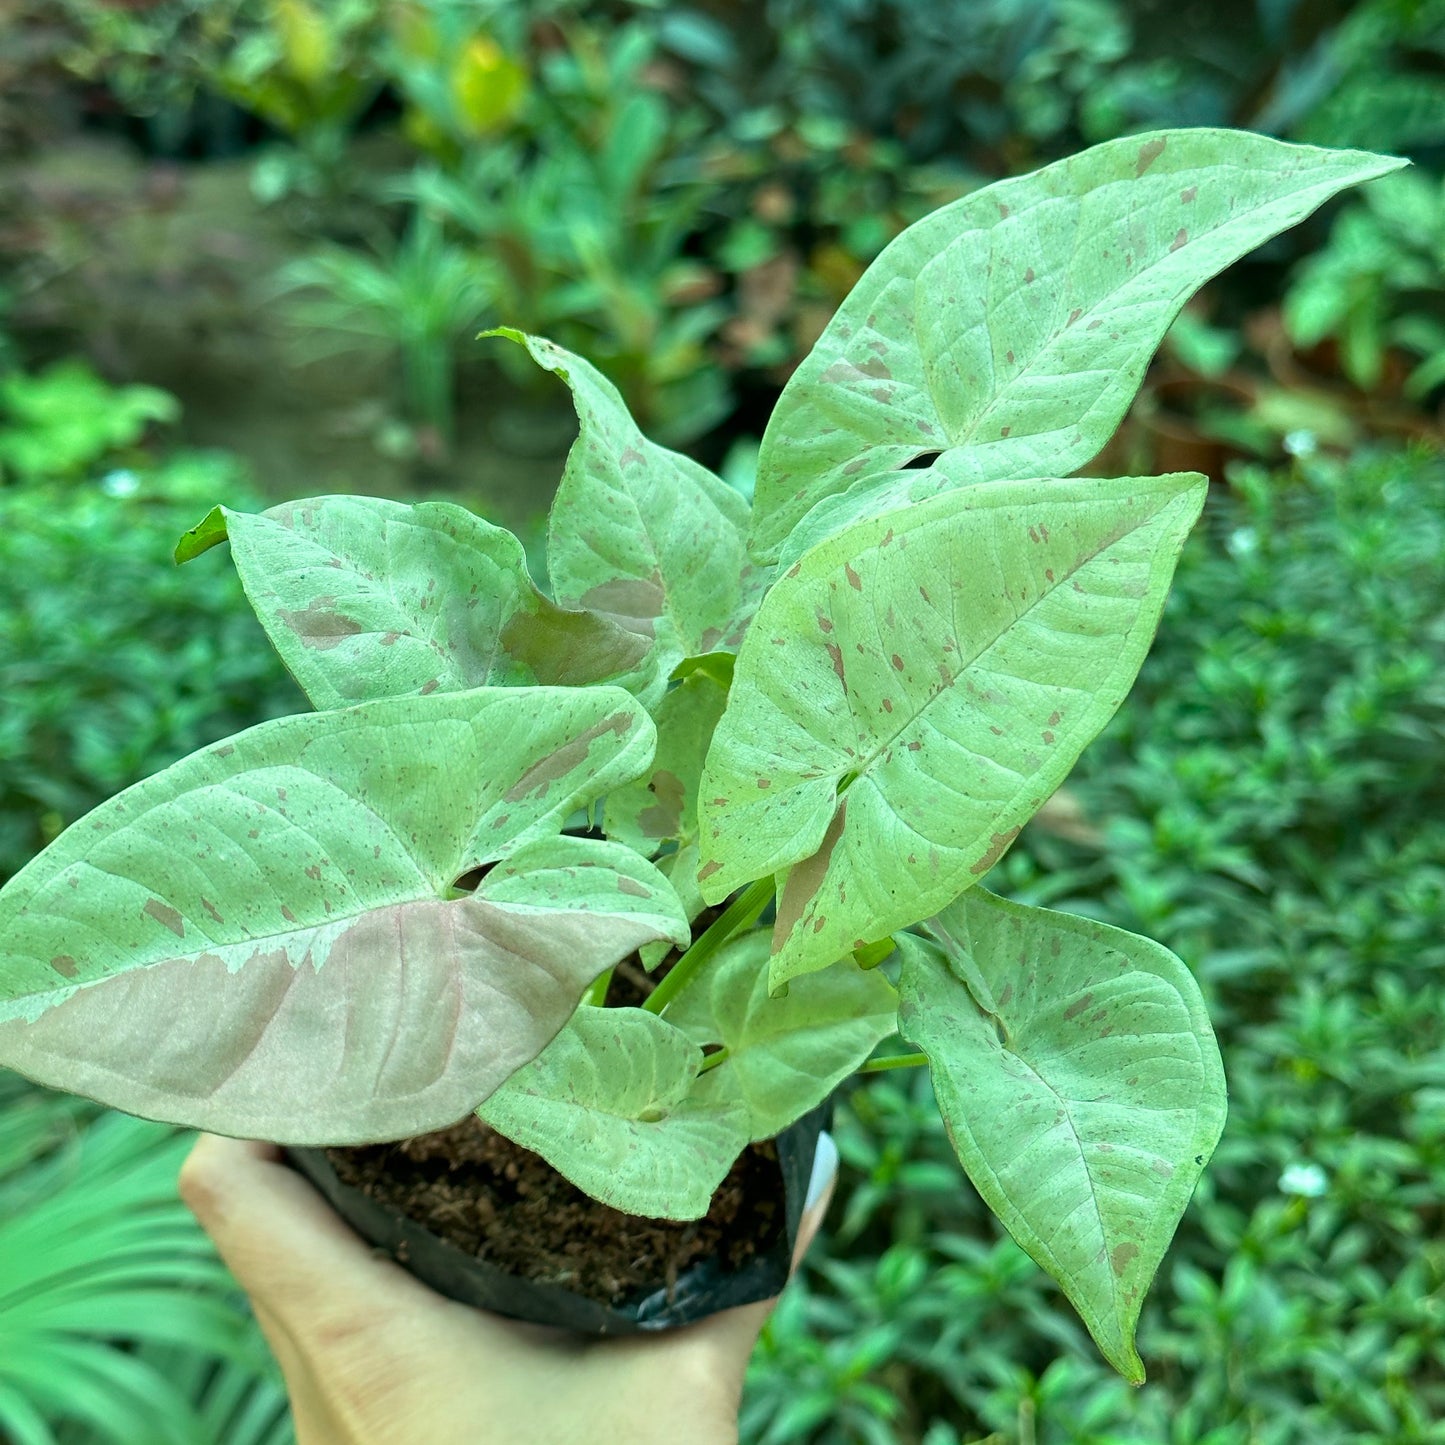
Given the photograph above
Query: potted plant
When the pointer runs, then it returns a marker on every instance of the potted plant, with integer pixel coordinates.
(370, 922)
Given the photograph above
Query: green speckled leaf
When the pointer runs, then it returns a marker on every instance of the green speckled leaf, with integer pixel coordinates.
(641, 534)
(661, 805)
(1081, 1085)
(366, 598)
(785, 1055)
(913, 689)
(611, 1104)
(264, 939)
(1013, 326)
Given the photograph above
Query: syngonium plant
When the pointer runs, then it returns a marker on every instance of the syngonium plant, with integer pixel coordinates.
(365, 922)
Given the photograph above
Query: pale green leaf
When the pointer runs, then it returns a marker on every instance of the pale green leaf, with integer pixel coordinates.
(366, 598)
(785, 1055)
(661, 805)
(265, 938)
(914, 689)
(611, 1104)
(680, 869)
(1084, 1094)
(641, 534)
(1014, 325)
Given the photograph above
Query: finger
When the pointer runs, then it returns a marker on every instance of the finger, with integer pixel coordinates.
(286, 1246)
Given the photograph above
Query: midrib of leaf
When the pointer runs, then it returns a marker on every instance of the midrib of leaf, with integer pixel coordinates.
(861, 768)
(1048, 350)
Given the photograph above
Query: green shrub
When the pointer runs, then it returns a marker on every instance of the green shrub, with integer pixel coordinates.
(118, 1325)
(1272, 806)
(112, 663)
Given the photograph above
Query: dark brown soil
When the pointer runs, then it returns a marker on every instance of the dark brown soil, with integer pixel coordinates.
(499, 1202)
(496, 1201)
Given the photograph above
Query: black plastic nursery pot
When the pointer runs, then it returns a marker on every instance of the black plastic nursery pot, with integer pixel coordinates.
(704, 1288)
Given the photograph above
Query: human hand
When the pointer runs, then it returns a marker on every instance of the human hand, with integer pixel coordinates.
(372, 1357)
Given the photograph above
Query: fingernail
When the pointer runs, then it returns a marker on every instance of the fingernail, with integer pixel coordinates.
(825, 1166)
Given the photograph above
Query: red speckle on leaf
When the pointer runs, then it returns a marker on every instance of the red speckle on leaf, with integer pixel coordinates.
(997, 732)
(836, 653)
(1149, 152)
(923, 593)
(287, 914)
(167, 916)
(1188, 195)
(1078, 1005)
(1049, 573)
(64, 965)
(1180, 238)
(1074, 315)
(1029, 277)
(897, 662)
(819, 924)
(997, 844)
(313, 873)
(914, 746)
(1048, 737)
(1033, 534)
(708, 869)
(794, 569)
(1123, 1256)
(1002, 211)
(1054, 719)
(1010, 356)
(853, 579)
(887, 704)
(887, 538)
(765, 782)
(825, 623)
(1003, 431)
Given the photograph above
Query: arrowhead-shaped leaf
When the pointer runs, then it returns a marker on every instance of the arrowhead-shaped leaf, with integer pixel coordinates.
(914, 688)
(264, 939)
(1081, 1085)
(785, 1055)
(641, 534)
(366, 598)
(1016, 323)
(661, 805)
(611, 1104)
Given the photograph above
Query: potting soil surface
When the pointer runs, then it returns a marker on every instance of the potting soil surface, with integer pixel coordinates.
(496, 1201)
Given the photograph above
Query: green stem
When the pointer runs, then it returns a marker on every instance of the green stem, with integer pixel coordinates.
(712, 1061)
(741, 913)
(898, 1061)
(597, 990)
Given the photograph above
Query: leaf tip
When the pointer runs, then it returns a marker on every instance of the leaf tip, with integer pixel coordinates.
(209, 532)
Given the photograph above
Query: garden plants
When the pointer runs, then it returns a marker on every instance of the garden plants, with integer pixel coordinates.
(369, 921)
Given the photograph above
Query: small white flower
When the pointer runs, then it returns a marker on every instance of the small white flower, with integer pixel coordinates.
(122, 483)
(1307, 1180)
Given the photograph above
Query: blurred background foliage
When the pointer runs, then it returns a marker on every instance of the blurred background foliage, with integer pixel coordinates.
(244, 248)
